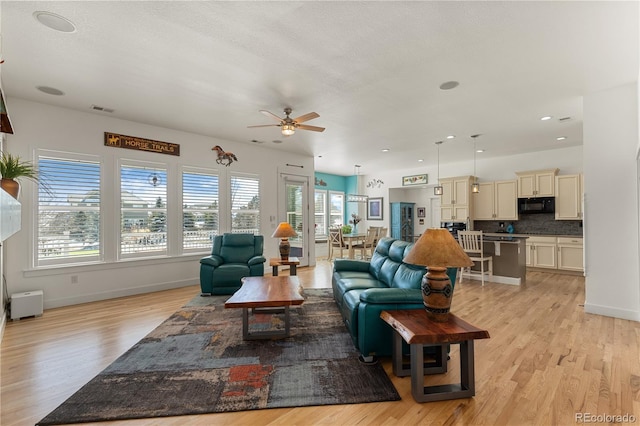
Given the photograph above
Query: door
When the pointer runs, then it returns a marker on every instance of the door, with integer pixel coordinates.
(294, 209)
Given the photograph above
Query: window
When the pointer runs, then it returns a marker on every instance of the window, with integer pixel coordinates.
(245, 204)
(143, 211)
(68, 221)
(321, 213)
(200, 211)
(336, 209)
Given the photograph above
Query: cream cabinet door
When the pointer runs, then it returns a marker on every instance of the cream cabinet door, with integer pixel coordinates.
(570, 254)
(544, 255)
(506, 200)
(446, 213)
(461, 191)
(526, 186)
(569, 197)
(484, 202)
(447, 192)
(545, 184)
(529, 254)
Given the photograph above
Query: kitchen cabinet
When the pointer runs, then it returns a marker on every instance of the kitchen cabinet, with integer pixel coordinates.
(570, 254)
(541, 252)
(455, 203)
(569, 190)
(537, 183)
(402, 221)
(496, 201)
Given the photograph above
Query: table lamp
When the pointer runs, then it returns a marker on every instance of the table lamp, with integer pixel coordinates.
(284, 231)
(437, 249)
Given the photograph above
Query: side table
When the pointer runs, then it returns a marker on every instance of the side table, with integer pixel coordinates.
(415, 327)
(292, 262)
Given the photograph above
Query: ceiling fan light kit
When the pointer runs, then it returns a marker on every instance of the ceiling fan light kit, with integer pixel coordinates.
(289, 125)
(288, 129)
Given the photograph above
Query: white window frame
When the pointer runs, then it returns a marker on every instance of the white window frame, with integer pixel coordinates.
(152, 167)
(202, 171)
(236, 175)
(69, 157)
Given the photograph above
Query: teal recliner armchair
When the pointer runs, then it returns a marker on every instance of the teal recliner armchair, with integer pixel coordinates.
(233, 257)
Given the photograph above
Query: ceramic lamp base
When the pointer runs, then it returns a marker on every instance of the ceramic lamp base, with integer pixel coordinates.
(437, 293)
(285, 249)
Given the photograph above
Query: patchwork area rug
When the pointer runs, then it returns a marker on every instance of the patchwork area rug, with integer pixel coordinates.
(196, 362)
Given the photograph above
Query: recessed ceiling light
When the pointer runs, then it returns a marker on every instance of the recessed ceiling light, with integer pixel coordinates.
(545, 118)
(55, 22)
(50, 90)
(451, 137)
(385, 150)
(561, 138)
(448, 85)
(420, 160)
(480, 150)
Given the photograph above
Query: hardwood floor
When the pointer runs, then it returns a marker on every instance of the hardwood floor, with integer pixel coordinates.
(545, 362)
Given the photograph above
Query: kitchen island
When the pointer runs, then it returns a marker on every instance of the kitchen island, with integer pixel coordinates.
(509, 257)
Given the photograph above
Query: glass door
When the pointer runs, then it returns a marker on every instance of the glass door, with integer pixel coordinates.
(295, 189)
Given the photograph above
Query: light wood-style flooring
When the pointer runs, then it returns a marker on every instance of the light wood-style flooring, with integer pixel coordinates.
(546, 360)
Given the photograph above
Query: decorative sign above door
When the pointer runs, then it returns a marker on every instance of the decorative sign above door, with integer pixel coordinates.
(141, 144)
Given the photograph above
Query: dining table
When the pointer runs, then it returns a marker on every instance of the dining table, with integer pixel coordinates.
(353, 239)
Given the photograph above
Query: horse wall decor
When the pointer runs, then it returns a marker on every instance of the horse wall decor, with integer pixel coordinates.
(224, 157)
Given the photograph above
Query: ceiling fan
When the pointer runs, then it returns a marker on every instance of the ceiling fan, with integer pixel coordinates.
(289, 125)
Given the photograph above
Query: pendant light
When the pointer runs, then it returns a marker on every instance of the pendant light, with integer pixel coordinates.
(437, 190)
(475, 187)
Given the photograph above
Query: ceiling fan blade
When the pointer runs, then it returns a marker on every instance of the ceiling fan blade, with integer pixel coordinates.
(270, 114)
(306, 117)
(265, 125)
(307, 127)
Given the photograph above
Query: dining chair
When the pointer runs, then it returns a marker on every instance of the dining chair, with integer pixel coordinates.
(369, 243)
(382, 232)
(336, 241)
(473, 244)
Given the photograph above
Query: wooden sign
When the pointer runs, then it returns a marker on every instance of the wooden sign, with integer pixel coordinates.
(141, 144)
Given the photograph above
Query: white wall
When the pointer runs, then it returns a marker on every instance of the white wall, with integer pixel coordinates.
(611, 202)
(39, 126)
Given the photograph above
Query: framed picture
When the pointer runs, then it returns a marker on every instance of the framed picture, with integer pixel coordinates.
(421, 212)
(414, 180)
(374, 208)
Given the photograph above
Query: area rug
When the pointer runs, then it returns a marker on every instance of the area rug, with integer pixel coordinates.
(196, 362)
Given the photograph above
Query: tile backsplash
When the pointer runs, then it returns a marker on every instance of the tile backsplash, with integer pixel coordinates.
(543, 223)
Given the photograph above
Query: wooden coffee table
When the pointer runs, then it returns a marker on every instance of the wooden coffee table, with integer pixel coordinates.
(266, 292)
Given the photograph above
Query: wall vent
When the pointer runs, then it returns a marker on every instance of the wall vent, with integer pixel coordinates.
(102, 109)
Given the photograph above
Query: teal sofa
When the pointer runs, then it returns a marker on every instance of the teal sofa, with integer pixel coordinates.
(363, 289)
(233, 257)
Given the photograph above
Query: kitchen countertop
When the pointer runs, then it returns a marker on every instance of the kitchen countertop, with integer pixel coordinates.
(503, 234)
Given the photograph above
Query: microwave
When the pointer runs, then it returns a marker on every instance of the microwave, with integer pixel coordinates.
(536, 205)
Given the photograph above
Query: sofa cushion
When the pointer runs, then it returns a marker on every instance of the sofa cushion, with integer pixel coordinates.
(388, 271)
(408, 276)
(348, 284)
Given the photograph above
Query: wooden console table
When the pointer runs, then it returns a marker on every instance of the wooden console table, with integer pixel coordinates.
(292, 262)
(419, 331)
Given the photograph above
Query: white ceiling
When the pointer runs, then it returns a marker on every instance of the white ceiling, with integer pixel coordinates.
(372, 71)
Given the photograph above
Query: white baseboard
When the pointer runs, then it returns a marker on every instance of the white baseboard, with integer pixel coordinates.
(3, 323)
(94, 297)
(495, 279)
(609, 311)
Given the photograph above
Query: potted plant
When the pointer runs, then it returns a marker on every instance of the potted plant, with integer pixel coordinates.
(12, 168)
